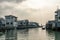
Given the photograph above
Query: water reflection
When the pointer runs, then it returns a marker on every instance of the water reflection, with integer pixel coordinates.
(10, 34)
(22, 34)
(2, 35)
(34, 34)
(50, 34)
(57, 35)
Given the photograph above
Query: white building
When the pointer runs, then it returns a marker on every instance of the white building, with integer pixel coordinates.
(55, 23)
(57, 15)
(50, 24)
(57, 18)
(9, 20)
(2, 22)
(23, 22)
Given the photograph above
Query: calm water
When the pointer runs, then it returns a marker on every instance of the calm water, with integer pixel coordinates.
(35, 34)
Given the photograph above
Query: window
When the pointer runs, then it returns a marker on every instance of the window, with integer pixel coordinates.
(7, 23)
(3, 24)
(11, 23)
(59, 17)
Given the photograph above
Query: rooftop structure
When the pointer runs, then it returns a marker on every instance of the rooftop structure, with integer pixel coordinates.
(10, 19)
(57, 16)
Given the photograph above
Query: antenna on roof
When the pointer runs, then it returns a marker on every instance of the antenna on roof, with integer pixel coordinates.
(57, 7)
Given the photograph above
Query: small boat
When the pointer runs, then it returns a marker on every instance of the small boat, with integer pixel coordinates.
(43, 27)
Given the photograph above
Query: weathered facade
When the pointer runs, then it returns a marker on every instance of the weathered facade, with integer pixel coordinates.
(2, 23)
(23, 23)
(55, 23)
(50, 24)
(27, 24)
(9, 20)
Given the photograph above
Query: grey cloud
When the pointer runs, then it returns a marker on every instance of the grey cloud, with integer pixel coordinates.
(22, 12)
(12, 1)
(7, 6)
(11, 10)
(5, 10)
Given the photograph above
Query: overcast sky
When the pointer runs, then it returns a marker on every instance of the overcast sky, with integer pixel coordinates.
(35, 10)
